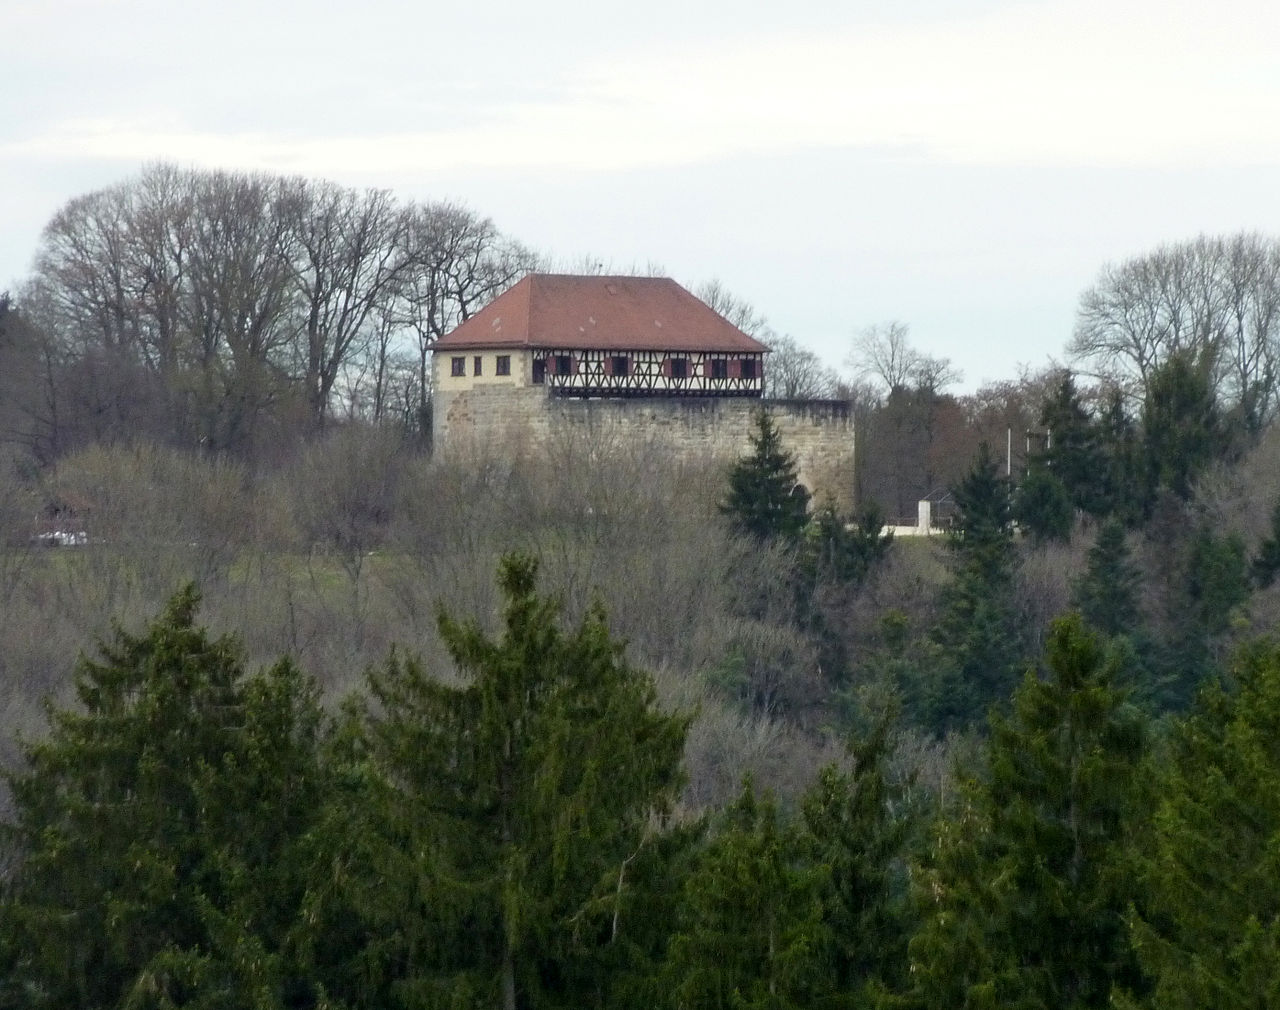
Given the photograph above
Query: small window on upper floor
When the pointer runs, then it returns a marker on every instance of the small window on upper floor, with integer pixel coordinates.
(503, 365)
(459, 366)
(748, 368)
(539, 371)
(620, 364)
(679, 368)
(477, 366)
(719, 368)
(564, 364)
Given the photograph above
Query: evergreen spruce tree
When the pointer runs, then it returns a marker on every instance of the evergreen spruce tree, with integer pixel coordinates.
(1025, 902)
(1212, 584)
(1266, 563)
(955, 959)
(1124, 488)
(1072, 451)
(898, 668)
(1107, 593)
(510, 816)
(750, 934)
(856, 825)
(845, 552)
(766, 500)
(977, 635)
(1208, 926)
(158, 827)
(1182, 428)
(835, 560)
(1042, 505)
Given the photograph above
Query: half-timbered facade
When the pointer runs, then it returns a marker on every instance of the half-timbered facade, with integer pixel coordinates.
(595, 337)
(648, 373)
(557, 362)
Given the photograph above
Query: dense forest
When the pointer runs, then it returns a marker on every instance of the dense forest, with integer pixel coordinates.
(296, 715)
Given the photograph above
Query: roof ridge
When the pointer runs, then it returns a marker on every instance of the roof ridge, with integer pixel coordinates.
(584, 311)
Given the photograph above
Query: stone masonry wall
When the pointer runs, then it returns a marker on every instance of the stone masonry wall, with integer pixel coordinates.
(515, 422)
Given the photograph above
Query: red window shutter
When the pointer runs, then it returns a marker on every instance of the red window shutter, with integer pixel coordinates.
(608, 364)
(666, 368)
(735, 368)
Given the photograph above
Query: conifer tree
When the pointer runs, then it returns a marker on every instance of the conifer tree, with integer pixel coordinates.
(846, 552)
(1182, 428)
(1212, 584)
(856, 825)
(1072, 451)
(977, 634)
(1266, 563)
(1024, 904)
(511, 813)
(1107, 593)
(835, 560)
(750, 934)
(157, 830)
(766, 500)
(1123, 479)
(1043, 505)
(1208, 927)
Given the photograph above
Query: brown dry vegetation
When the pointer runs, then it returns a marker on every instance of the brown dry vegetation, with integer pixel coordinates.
(353, 546)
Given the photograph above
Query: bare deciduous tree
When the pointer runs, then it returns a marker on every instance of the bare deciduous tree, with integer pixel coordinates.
(883, 353)
(20, 380)
(910, 436)
(737, 310)
(456, 263)
(350, 256)
(194, 306)
(82, 264)
(81, 299)
(1215, 298)
(159, 254)
(240, 321)
(797, 373)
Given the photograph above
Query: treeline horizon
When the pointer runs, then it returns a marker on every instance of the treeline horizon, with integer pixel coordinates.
(229, 312)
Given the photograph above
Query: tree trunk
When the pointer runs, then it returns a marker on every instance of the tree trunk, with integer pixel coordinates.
(508, 979)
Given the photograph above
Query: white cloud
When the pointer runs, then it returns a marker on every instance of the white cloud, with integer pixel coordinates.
(1074, 82)
(1065, 82)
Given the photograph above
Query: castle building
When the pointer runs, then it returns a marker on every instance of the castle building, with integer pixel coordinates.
(601, 336)
(640, 356)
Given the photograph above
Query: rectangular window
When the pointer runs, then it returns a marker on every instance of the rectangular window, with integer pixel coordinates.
(679, 368)
(564, 364)
(620, 365)
(748, 368)
(476, 369)
(719, 368)
(539, 371)
(503, 366)
(459, 366)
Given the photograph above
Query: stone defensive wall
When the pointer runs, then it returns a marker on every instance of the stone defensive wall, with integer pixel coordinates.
(504, 420)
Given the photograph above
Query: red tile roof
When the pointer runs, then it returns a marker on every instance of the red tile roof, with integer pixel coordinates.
(599, 313)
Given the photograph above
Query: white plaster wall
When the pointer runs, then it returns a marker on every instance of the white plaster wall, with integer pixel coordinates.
(442, 378)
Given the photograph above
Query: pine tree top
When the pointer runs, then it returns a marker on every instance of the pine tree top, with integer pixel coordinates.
(766, 499)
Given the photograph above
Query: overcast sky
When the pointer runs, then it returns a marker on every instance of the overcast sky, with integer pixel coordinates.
(966, 167)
